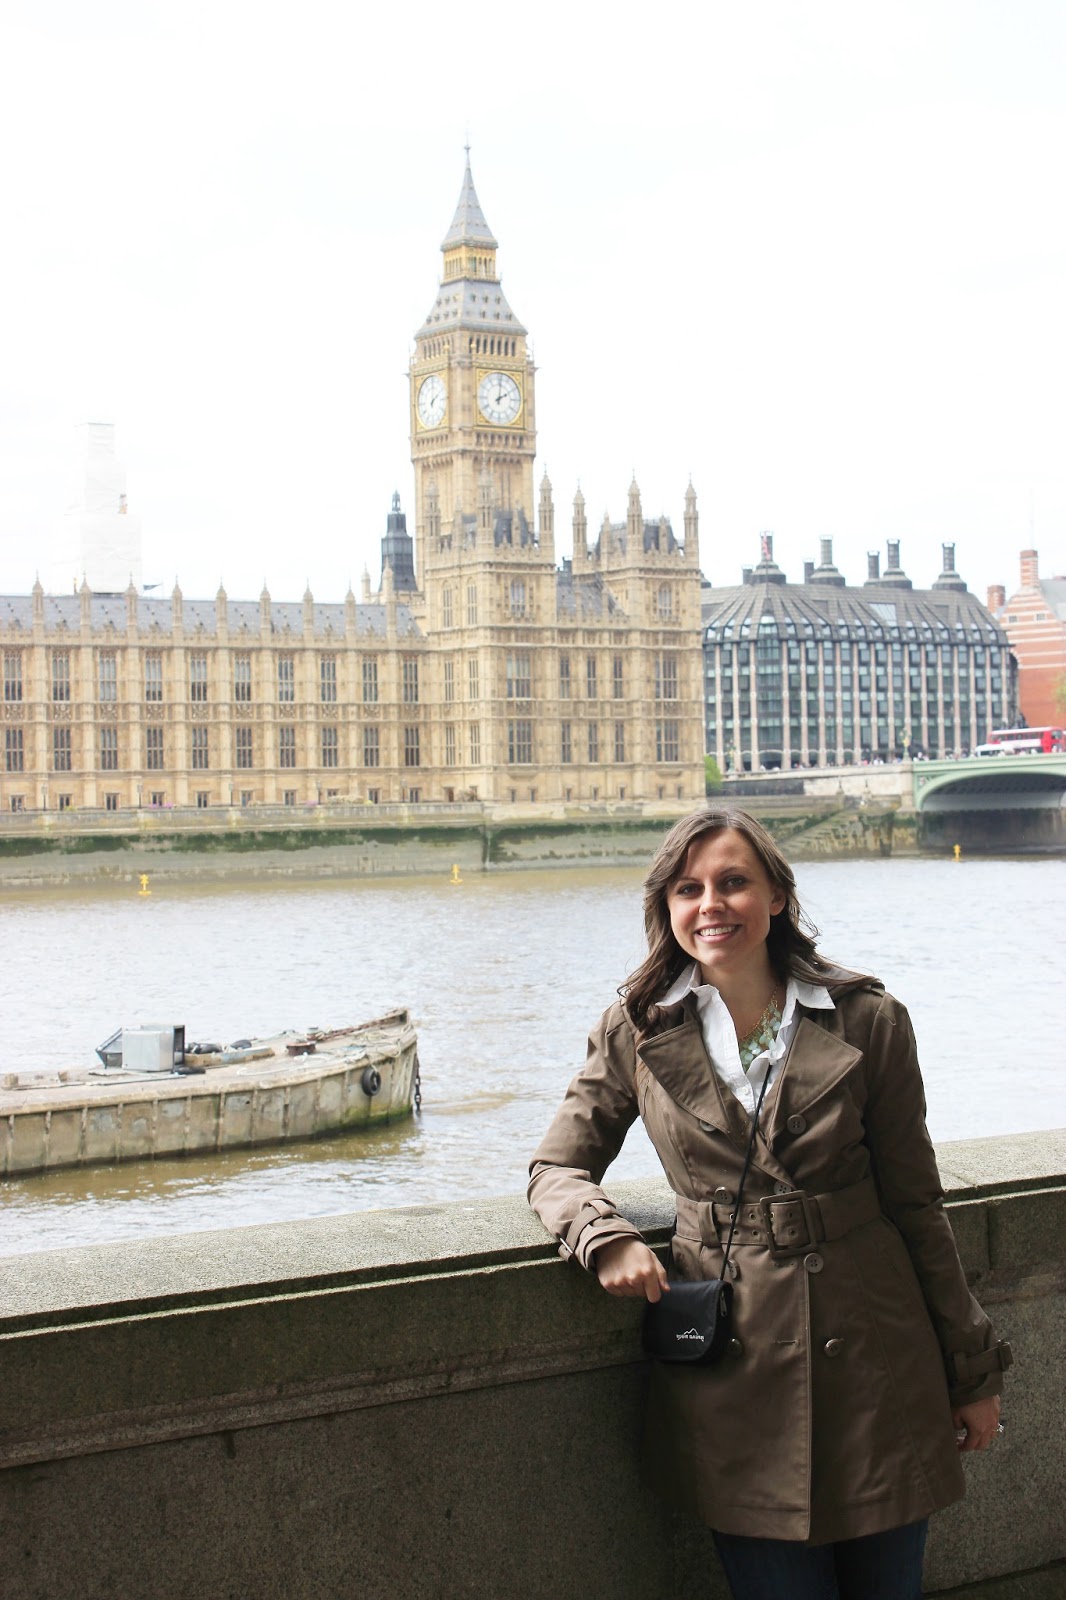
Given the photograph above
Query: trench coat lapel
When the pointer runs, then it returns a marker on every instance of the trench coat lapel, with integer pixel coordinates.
(817, 1059)
(677, 1059)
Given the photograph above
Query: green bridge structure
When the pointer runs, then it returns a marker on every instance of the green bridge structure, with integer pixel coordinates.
(992, 783)
(1009, 802)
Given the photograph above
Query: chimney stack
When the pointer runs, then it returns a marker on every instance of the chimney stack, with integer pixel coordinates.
(1030, 569)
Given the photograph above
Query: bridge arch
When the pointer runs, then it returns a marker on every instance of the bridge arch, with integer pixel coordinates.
(992, 783)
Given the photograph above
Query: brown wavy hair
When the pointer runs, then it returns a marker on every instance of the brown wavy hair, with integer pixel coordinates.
(790, 942)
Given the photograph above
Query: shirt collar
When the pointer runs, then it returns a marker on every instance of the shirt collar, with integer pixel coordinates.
(814, 996)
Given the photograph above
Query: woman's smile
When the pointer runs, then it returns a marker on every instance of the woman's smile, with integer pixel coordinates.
(721, 903)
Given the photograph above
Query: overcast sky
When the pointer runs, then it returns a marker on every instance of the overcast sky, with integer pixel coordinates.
(812, 255)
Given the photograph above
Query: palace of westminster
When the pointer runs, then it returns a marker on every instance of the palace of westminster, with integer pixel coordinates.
(482, 668)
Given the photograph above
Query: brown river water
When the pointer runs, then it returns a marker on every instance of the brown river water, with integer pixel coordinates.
(504, 974)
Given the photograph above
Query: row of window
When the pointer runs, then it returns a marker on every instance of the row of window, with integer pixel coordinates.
(107, 677)
(243, 749)
(519, 677)
(519, 746)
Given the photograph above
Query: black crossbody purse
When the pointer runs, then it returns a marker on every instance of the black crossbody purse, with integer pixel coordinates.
(693, 1320)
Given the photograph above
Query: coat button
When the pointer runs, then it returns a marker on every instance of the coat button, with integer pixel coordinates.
(813, 1263)
(732, 1271)
(796, 1124)
(833, 1347)
(782, 1188)
(706, 1127)
(724, 1197)
(736, 1348)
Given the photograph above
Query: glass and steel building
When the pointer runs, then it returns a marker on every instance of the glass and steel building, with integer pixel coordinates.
(824, 673)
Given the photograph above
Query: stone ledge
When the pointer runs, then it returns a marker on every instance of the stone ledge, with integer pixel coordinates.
(55, 1287)
(283, 1402)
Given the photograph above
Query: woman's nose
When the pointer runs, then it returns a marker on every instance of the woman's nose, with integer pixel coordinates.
(709, 898)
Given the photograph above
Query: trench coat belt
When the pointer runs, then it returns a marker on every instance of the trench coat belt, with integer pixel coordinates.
(785, 1224)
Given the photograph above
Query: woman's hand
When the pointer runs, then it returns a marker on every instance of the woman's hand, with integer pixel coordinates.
(978, 1421)
(628, 1267)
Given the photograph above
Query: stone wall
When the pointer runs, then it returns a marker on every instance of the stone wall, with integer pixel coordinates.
(429, 1403)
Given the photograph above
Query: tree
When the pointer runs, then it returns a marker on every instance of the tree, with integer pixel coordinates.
(712, 777)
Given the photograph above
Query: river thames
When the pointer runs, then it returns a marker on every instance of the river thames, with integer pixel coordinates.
(504, 974)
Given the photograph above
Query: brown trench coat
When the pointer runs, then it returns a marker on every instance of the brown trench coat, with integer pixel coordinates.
(856, 1333)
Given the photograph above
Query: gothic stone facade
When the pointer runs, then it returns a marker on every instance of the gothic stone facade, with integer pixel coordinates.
(481, 668)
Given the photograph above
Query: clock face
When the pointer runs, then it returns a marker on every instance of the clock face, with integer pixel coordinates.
(499, 397)
(432, 400)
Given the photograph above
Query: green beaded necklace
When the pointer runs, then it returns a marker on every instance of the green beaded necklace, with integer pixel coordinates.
(762, 1036)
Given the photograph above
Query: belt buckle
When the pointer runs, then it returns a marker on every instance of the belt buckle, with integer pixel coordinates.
(778, 1249)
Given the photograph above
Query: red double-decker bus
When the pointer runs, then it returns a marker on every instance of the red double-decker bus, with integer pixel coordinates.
(1023, 741)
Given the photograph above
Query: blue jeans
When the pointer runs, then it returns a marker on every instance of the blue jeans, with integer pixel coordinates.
(880, 1566)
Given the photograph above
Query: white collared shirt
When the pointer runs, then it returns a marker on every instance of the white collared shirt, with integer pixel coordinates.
(720, 1036)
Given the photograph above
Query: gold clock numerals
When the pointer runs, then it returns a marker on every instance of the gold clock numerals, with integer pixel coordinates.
(499, 398)
(432, 401)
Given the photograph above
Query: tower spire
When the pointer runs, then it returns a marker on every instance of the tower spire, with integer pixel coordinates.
(468, 224)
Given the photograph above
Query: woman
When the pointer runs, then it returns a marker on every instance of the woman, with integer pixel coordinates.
(860, 1365)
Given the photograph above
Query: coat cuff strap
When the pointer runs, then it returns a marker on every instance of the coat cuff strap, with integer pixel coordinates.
(968, 1367)
(591, 1211)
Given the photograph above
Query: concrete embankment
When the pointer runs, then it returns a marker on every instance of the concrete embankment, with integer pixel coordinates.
(364, 842)
(429, 1403)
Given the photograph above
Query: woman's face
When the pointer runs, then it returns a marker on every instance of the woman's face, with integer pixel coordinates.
(720, 906)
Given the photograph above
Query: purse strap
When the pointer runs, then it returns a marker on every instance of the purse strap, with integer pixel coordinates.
(744, 1172)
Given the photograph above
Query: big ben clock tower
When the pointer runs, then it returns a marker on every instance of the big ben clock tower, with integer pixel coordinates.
(473, 428)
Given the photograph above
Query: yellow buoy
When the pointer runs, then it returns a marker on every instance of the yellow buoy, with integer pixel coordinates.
(144, 889)
(455, 878)
(958, 851)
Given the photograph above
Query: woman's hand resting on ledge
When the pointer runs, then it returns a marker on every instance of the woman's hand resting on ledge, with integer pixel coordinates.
(628, 1267)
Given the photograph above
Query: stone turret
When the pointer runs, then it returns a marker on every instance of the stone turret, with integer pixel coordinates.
(692, 527)
(581, 532)
(264, 611)
(634, 522)
(546, 517)
(177, 608)
(397, 550)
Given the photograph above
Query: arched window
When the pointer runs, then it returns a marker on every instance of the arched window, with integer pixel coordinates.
(446, 606)
(518, 597)
(471, 604)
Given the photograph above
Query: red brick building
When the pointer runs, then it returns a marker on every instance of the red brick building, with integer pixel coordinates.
(1034, 619)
